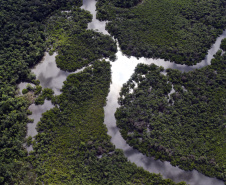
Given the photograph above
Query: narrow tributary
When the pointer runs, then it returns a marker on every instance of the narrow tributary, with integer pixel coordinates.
(52, 77)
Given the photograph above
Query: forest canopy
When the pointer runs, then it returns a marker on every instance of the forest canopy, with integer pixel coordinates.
(72, 145)
(72, 141)
(178, 31)
(223, 44)
(76, 46)
(179, 117)
(125, 3)
(22, 44)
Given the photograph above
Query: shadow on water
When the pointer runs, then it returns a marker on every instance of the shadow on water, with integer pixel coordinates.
(51, 76)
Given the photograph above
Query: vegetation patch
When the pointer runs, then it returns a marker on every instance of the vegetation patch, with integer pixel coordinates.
(179, 117)
(22, 44)
(223, 44)
(47, 93)
(177, 30)
(76, 46)
(125, 3)
(72, 145)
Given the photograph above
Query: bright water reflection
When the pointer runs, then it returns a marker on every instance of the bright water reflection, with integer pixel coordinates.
(52, 77)
(122, 69)
(90, 5)
(37, 111)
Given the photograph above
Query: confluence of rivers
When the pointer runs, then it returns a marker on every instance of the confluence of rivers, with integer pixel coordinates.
(52, 77)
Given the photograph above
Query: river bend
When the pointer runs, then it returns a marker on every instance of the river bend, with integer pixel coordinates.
(52, 77)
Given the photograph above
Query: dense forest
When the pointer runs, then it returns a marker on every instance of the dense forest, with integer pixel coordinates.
(223, 44)
(178, 117)
(125, 3)
(177, 30)
(76, 46)
(72, 145)
(22, 44)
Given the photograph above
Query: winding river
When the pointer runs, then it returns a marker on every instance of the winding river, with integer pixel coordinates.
(52, 77)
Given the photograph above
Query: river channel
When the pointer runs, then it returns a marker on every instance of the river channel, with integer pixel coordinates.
(52, 77)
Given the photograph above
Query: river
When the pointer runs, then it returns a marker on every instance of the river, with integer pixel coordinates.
(52, 77)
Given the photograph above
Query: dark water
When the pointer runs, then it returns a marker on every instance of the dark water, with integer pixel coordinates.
(52, 77)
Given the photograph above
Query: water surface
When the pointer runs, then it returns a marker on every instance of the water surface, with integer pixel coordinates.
(52, 77)
(122, 69)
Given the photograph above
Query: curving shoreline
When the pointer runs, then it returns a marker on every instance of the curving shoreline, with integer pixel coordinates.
(122, 69)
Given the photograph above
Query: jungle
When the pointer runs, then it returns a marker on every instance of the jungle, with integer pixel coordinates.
(181, 31)
(178, 117)
(72, 145)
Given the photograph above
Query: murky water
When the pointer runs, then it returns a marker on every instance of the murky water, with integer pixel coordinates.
(52, 77)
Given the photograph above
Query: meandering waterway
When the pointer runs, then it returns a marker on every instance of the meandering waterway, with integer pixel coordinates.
(52, 77)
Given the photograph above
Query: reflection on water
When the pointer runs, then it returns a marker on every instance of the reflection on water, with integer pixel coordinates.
(52, 77)
(90, 5)
(49, 74)
(122, 69)
(37, 111)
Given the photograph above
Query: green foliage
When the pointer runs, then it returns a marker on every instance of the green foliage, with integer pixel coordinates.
(25, 91)
(24, 27)
(29, 87)
(175, 30)
(72, 145)
(29, 141)
(29, 112)
(13, 121)
(76, 46)
(22, 44)
(223, 45)
(38, 90)
(125, 3)
(185, 127)
(47, 93)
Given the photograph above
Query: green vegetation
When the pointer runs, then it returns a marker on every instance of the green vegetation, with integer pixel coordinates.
(39, 95)
(186, 127)
(25, 91)
(76, 46)
(223, 44)
(46, 94)
(22, 43)
(13, 121)
(125, 3)
(175, 30)
(72, 145)
(38, 90)
(29, 141)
